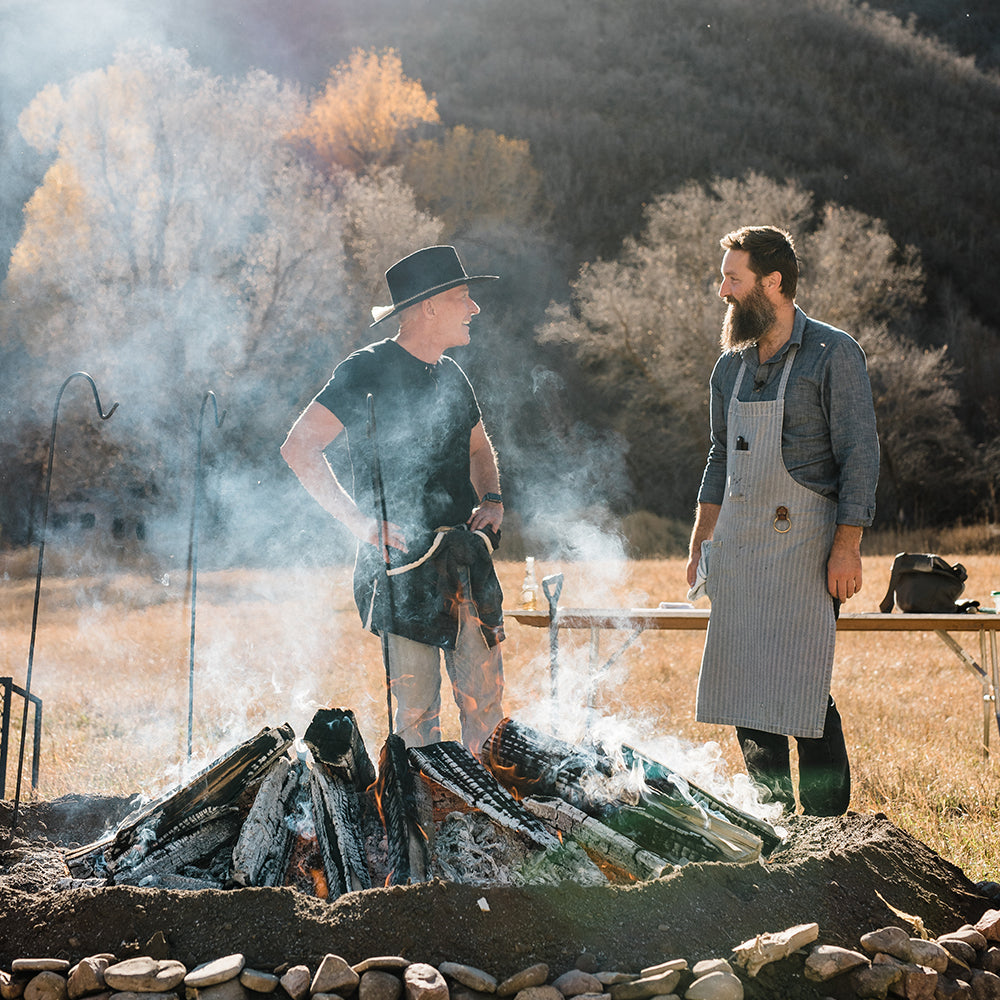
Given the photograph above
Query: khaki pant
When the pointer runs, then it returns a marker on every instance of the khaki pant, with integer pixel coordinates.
(476, 674)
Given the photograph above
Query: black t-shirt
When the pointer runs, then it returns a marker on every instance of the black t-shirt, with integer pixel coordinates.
(424, 415)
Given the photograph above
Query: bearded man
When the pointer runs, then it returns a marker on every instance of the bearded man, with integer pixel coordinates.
(788, 488)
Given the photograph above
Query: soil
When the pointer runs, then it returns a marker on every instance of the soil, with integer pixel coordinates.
(849, 874)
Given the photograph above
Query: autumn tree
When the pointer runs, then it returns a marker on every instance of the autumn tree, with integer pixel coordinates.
(177, 244)
(473, 178)
(366, 108)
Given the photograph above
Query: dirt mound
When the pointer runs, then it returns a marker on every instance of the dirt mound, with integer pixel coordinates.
(849, 874)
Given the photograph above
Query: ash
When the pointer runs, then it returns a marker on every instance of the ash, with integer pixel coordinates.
(470, 848)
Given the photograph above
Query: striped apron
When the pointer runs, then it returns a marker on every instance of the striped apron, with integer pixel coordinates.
(768, 655)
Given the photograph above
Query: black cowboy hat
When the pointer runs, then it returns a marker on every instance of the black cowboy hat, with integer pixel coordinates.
(422, 274)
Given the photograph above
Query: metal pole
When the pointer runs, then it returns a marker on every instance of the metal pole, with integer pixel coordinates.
(193, 555)
(552, 586)
(378, 492)
(38, 576)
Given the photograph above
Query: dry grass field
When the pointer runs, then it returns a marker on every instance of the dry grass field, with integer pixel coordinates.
(112, 666)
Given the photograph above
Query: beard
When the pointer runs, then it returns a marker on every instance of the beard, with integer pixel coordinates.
(747, 321)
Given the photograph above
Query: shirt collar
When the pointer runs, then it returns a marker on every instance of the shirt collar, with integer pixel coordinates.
(749, 354)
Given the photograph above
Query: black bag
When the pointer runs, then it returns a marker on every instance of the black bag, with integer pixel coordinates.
(925, 584)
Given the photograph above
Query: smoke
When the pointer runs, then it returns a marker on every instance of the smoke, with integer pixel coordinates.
(156, 344)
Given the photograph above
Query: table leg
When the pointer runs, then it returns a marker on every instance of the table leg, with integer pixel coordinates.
(984, 680)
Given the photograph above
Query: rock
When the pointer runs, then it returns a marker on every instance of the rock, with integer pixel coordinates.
(826, 961)
(888, 940)
(46, 986)
(991, 960)
(969, 935)
(423, 982)
(21, 966)
(928, 953)
(647, 986)
(576, 982)
(989, 925)
(675, 964)
(456, 991)
(231, 989)
(718, 985)
(915, 982)
(334, 975)
(873, 981)
(387, 963)
(960, 951)
(377, 984)
(753, 955)
(952, 989)
(220, 970)
(141, 995)
(87, 977)
(257, 981)
(587, 963)
(534, 975)
(145, 975)
(295, 982)
(707, 965)
(467, 975)
(985, 985)
(610, 978)
(539, 993)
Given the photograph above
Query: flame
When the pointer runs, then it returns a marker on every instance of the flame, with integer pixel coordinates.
(319, 882)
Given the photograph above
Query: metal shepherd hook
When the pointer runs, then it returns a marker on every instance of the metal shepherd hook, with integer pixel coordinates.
(38, 576)
(193, 554)
(378, 491)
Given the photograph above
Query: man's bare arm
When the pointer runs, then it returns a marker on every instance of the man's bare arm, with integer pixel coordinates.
(704, 528)
(485, 476)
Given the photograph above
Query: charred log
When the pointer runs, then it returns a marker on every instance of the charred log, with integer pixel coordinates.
(609, 848)
(666, 820)
(659, 777)
(262, 851)
(337, 814)
(406, 844)
(335, 742)
(454, 767)
(212, 798)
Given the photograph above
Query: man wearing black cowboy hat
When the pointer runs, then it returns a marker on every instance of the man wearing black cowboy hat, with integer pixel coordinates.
(415, 436)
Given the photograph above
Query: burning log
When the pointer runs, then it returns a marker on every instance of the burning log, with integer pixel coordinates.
(335, 742)
(453, 766)
(659, 777)
(609, 847)
(406, 839)
(338, 788)
(337, 816)
(192, 823)
(262, 851)
(661, 819)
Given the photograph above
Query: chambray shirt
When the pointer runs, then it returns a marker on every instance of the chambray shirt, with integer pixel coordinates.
(829, 443)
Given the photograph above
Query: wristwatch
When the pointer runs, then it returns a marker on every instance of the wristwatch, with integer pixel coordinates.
(491, 498)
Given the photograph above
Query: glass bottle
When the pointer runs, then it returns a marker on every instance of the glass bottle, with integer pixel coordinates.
(529, 587)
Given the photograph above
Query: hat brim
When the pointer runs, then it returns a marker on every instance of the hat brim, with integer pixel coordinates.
(381, 313)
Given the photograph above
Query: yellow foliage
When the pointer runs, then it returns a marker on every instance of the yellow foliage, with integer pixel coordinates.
(55, 212)
(367, 104)
(475, 175)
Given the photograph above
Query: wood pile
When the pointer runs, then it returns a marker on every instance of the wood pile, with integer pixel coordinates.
(319, 815)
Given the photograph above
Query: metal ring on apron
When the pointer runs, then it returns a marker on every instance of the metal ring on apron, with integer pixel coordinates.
(781, 518)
